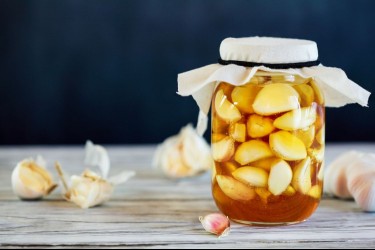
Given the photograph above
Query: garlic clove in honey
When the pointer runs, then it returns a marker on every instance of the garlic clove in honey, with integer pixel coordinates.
(225, 109)
(259, 126)
(223, 150)
(287, 146)
(306, 93)
(243, 97)
(280, 177)
(296, 119)
(306, 135)
(251, 151)
(238, 132)
(276, 98)
(30, 179)
(234, 189)
(302, 177)
(254, 177)
(184, 155)
(216, 223)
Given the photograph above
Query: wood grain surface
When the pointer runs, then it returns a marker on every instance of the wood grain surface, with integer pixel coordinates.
(151, 211)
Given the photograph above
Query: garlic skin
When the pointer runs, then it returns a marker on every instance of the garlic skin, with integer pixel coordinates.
(30, 179)
(183, 155)
(89, 190)
(97, 155)
(216, 223)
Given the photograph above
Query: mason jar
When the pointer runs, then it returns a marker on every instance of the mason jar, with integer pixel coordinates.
(268, 139)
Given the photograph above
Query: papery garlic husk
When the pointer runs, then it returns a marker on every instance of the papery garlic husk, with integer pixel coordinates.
(216, 223)
(183, 155)
(97, 156)
(89, 190)
(30, 179)
(361, 182)
(335, 177)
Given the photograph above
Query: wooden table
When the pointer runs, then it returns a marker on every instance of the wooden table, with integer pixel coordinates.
(150, 211)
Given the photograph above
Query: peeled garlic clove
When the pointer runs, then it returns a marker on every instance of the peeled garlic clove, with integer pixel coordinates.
(243, 97)
(276, 98)
(234, 189)
(259, 126)
(183, 155)
(251, 151)
(280, 177)
(217, 137)
(315, 192)
(225, 109)
(216, 223)
(238, 132)
(255, 177)
(319, 98)
(335, 176)
(263, 193)
(266, 163)
(290, 191)
(306, 135)
(302, 177)
(223, 150)
(306, 93)
(320, 136)
(296, 119)
(287, 146)
(316, 154)
(31, 181)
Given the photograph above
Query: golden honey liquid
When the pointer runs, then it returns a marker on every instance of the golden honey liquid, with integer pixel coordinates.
(246, 203)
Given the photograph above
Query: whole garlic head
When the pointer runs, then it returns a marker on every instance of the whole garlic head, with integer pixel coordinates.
(30, 179)
(183, 155)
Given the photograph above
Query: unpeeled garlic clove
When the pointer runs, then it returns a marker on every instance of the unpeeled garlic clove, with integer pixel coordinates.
(216, 223)
(30, 179)
(183, 155)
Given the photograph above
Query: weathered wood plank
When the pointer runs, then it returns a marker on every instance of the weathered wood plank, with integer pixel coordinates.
(153, 212)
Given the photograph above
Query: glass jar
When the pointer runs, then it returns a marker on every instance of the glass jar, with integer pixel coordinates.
(268, 147)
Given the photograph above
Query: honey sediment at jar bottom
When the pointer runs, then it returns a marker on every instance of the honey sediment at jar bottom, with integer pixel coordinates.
(280, 152)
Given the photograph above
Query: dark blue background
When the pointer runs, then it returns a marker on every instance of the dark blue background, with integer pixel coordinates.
(107, 70)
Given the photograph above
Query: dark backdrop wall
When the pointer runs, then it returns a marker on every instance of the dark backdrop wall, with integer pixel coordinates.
(106, 70)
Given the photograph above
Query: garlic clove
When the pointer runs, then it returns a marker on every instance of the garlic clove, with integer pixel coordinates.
(265, 163)
(183, 155)
(217, 137)
(238, 132)
(315, 192)
(306, 135)
(290, 191)
(31, 181)
(263, 194)
(306, 93)
(234, 189)
(255, 177)
(225, 109)
(259, 126)
(216, 223)
(318, 94)
(297, 119)
(316, 154)
(223, 150)
(243, 97)
(280, 177)
(276, 98)
(251, 151)
(287, 146)
(302, 176)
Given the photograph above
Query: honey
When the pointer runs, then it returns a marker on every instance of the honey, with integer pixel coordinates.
(268, 148)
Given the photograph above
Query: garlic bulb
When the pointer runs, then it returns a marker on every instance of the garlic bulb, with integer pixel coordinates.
(183, 155)
(335, 175)
(91, 189)
(352, 175)
(30, 179)
(361, 182)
